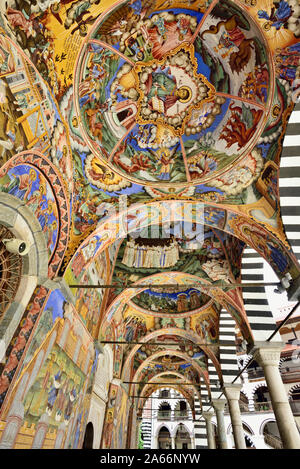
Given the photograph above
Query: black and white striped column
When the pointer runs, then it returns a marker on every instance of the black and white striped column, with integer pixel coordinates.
(256, 302)
(228, 357)
(289, 181)
(199, 423)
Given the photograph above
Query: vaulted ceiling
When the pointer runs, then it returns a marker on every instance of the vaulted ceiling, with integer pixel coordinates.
(161, 126)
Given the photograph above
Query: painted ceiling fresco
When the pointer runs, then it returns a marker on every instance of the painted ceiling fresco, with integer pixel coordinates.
(145, 137)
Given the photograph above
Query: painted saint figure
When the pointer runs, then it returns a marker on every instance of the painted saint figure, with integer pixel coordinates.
(162, 90)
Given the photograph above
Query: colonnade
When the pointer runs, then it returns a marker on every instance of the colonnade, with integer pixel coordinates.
(267, 354)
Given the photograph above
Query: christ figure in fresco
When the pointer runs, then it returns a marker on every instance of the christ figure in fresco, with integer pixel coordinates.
(162, 91)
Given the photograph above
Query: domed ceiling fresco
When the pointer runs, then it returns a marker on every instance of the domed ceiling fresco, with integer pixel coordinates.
(145, 137)
(174, 89)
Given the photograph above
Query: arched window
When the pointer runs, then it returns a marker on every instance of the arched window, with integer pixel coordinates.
(262, 399)
(295, 400)
(271, 435)
(181, 410)
(164, 411)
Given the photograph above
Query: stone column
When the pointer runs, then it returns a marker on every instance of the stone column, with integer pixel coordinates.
(173, 442)
(218, 405)
(267, 354)
(210, 431)
(232, 393)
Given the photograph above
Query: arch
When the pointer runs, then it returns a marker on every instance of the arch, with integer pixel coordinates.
(88, 436)
(148, 390)
(259, 400)
(175, 430)
(184, 392)
(22, 223)
(264, 423)
(229, 300)
(160, 426)
(231, 221)
(164, 409)
(246, 427)
(294, 389)
(181, 333)
(177, 403)
(174, 353)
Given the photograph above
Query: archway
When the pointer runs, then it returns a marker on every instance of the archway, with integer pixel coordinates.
(164, 438)
(271, 434)
(88, 437)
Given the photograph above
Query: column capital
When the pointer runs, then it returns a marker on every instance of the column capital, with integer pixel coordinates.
(267, 353)
(208, 415)
(218, 404)
(232, 391)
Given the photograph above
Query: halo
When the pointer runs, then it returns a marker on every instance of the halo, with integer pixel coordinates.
(188, 89)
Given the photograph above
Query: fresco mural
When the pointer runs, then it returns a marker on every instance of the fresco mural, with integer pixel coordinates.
(170, 302)
(120, 123)
(30, 116)
(56, 391)
(163, 92)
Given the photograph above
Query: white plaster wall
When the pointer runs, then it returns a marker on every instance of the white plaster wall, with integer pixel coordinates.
(96, 416)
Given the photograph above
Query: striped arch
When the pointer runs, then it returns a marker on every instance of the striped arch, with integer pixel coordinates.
(261, 384)
(164, 402)
(289, 181)
(255, 298)
(295, 387)
(178, 401)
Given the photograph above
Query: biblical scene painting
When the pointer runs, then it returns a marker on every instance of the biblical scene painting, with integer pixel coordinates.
(172, 99)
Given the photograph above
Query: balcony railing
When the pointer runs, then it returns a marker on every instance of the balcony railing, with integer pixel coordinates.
(164, 415)
(273, 441)
(263, 406)
(180, 414)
